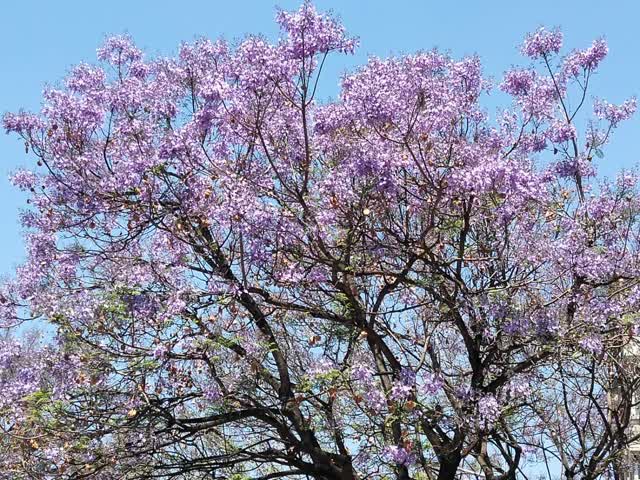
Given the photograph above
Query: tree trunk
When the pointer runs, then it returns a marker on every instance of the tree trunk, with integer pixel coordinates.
(449, 467)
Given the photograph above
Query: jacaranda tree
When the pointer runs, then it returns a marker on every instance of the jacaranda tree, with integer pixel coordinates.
(234, 278)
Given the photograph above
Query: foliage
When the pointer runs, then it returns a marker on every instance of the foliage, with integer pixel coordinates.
(241, 281)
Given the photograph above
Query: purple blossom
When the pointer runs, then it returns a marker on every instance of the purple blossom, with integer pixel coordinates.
(399, 455)
(55, 455)
(160, 352)
(205, 204)
(542, 42)
(119, 50)
(463, 392)
(321, 367)
(86, 79)
(489, 410)
(212, 393)
(375, 400)
(561, 131)
(407, 376)
(362, 373)
(401, 391)
(22, 122)
(615, 113)
(24, 179)
(430, 384)
(519, 387)
(517, 325)
(588, 59)
(403, 387)
(311, 33)
(592, 344)
(518, 82)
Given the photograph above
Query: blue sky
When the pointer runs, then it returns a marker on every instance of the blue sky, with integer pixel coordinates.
(41, 40)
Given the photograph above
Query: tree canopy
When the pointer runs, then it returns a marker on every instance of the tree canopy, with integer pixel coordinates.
(234, 278)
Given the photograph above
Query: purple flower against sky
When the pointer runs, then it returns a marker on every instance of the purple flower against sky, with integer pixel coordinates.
(615, 113)
(542, 42)
(578, 61)
(236, 272)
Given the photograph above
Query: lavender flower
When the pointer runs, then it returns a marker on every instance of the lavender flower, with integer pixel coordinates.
(399, 455)
(542, 42)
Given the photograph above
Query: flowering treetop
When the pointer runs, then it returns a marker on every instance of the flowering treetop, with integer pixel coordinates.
(247, 282)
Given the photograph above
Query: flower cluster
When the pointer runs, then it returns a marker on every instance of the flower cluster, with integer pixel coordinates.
(542, 42)
(615, 113)
(589, 59)
(400, 455)
(393, 274)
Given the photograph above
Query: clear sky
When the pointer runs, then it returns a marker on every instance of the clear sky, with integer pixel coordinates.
(41, 40)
